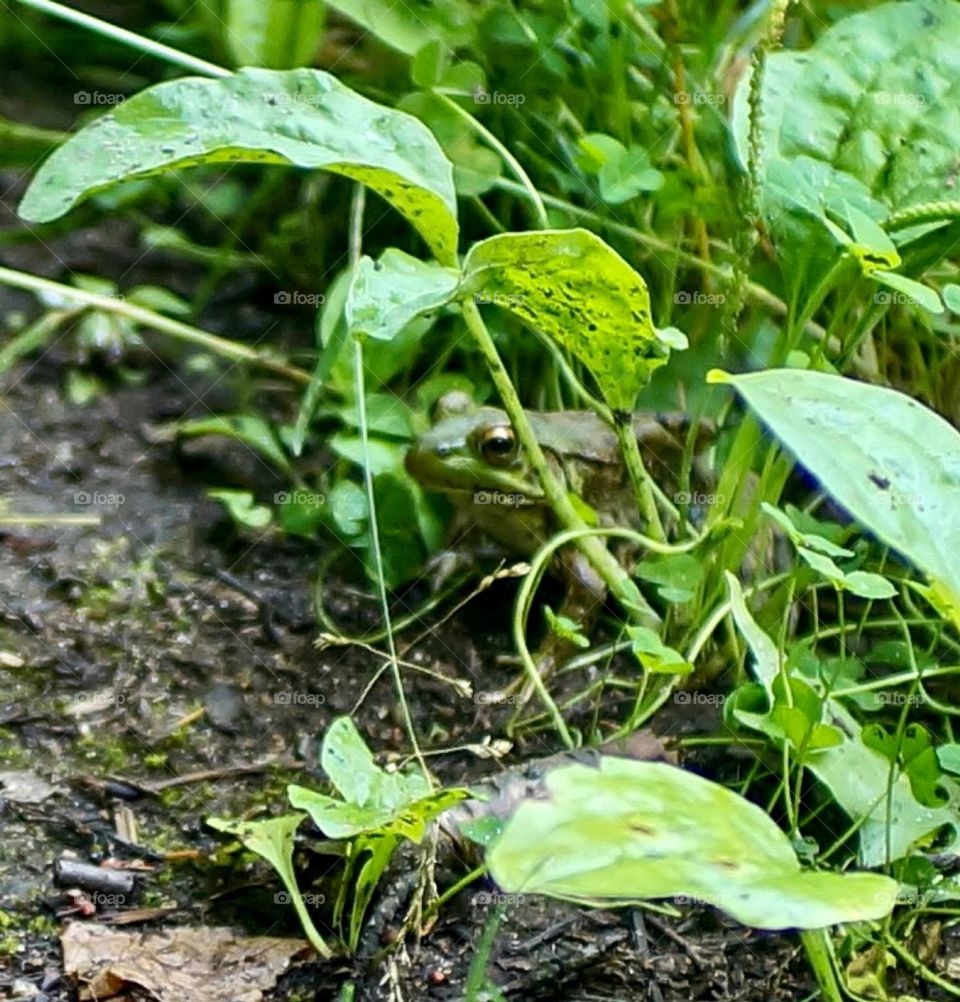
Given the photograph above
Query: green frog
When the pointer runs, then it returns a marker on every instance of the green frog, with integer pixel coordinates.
(472, 455)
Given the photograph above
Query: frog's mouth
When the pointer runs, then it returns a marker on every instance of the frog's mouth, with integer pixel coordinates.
(459, 477)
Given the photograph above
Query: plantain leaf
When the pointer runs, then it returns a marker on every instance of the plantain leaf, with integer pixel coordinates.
(631, 830)
(303, 118)
(866, 116)
(891, 462)
(576, 289)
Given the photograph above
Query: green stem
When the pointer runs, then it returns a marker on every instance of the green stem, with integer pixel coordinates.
(356, 239)
(639, 477)
(138, 314)
(817, 948)
(131, 38)
(509, 159)
(614, 575)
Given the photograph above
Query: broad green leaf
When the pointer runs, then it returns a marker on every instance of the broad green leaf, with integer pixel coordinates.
(866, 117)
(280, 34)
(386, 295)
(868, 585)
(765, 654)
(243, 508)
(677, 575)
(273, 840)
(305, 118)
(576, 289)
(631, 830)
(890, 461)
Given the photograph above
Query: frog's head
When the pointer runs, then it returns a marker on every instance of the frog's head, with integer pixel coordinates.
(471, 449)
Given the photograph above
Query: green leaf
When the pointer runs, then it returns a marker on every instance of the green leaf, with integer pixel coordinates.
(633, 830)
(654, 655)
(303, 117)
(565, 628)
(273, 840)
(868, 585)
(677, 575)
(577, 290)
(864, 118)
(373, 799)
(764, 650)
(891, 462)
(386, 295)
(280, 34)
(242, 507)
(910, 292)
(949, 758)
(951, 297)
(430, 63)
(807, 539)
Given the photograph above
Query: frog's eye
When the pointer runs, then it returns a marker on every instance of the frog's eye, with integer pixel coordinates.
(497, 445)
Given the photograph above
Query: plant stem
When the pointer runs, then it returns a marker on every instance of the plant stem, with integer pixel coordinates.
(167, 325)
(509, 159)
(356, 241)
(131, 38)
(615, 577)
(639, 477)
(817, 948)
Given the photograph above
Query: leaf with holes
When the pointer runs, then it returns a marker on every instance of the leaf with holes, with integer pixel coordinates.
(304, 118)
(629, 830)
(576, 289)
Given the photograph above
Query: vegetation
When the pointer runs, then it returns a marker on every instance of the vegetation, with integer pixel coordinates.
(749, 218)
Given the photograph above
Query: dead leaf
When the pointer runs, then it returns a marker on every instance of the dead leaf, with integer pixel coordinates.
(177, 965)
(25, 787)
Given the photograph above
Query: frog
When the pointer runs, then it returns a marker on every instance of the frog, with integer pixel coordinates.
(472, 455)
